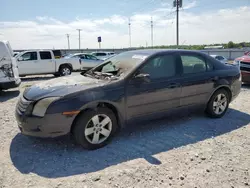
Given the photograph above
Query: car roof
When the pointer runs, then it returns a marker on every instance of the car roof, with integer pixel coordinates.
(80, 54)
(213, 55)
(102, 52)
(150, 52)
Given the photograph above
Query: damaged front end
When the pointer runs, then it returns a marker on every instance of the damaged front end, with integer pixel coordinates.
(7, 70)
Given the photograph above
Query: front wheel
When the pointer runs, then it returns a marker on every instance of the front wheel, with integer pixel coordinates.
(95, 128)
(65, 70)
(218, 104)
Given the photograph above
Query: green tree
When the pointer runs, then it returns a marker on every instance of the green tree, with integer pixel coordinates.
(231, 44)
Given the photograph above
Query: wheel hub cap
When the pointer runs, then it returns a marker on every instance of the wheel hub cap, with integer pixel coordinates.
(98, 129)
(220, 104)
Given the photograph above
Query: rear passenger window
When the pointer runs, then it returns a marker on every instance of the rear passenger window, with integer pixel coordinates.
(193, 64)
(45, 55)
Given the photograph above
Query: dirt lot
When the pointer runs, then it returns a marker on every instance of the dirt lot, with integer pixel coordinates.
(185, 151)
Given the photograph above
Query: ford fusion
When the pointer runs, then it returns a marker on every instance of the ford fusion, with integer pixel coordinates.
(134, 85)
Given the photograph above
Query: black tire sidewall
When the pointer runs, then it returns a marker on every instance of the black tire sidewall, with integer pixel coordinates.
(82, 121)
(210, 110)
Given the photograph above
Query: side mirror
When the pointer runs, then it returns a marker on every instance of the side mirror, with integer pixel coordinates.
(142, 77)
(20, 58)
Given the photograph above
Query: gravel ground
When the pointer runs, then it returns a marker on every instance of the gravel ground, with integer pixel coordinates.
(185, 151)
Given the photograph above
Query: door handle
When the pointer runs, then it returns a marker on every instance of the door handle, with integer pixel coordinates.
(214, 78)
(173, 85)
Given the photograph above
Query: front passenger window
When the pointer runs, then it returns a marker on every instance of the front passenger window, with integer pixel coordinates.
(160, 67)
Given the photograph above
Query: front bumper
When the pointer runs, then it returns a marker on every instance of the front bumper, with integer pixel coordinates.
(51, 125)
(11, 84)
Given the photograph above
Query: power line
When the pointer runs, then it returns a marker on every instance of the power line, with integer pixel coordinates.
(79, 33)
(205, 5)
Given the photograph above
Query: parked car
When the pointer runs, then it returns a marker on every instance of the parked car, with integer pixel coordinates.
(131, 86)
(103, 55)
(15, 54)
(86, 60)
(9, 77)
(44, 62)
(244, 63)
(220, 58)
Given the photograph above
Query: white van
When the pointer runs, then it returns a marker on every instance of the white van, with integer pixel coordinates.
(9, 77)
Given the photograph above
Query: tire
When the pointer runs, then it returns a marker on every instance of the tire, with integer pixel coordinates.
(85, 122)
(215, 109)
(65, 70)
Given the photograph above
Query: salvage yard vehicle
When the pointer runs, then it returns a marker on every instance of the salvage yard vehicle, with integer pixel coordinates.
(45, 62)
(131, 86)
(103, 55)
(9, 77)
(244, 63)
(86, 60)
(220, 58)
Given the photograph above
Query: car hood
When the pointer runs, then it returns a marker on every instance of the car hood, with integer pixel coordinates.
(243, 58)
(61, 86)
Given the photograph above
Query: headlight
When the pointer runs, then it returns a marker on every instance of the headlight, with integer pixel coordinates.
(236, 62)
(42, 105)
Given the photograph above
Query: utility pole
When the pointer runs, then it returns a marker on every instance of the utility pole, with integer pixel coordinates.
(79, 31)
(152, 35)
(129, 32)
(68, 41)
(177, 4)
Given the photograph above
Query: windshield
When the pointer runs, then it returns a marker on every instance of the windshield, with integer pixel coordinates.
(119, 65)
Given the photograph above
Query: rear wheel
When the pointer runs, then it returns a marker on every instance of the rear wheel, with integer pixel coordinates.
(95, 129)
(65, 70)
(218, 104)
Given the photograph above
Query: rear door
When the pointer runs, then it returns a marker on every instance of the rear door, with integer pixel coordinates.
(161, 93)
(197, 79)
(46, 63)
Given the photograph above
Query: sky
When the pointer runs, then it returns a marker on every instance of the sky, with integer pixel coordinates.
(44, 24)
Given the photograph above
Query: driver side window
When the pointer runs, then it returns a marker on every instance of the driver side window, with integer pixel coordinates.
(160, 67)
(29, 56)
(91, 57)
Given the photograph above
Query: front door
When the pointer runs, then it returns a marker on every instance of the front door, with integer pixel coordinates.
(27, 63)
(160, 93)
(197, 80)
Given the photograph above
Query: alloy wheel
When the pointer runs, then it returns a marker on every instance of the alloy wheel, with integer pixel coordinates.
(220, 104)
(66, 71)
(98, 129)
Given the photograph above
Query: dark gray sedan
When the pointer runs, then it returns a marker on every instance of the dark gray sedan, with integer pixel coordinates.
(131, 86)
